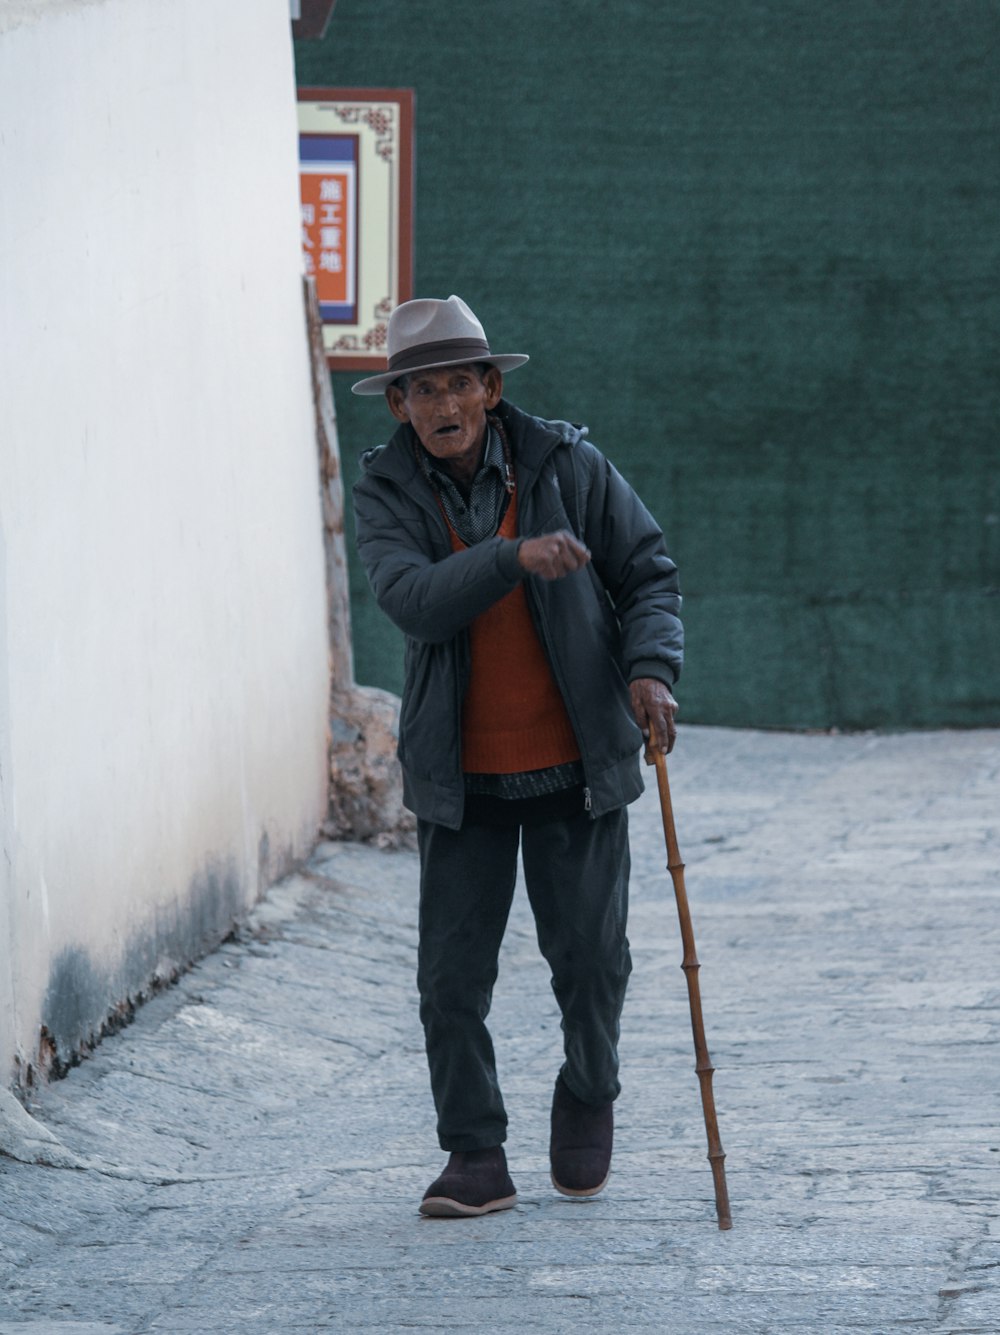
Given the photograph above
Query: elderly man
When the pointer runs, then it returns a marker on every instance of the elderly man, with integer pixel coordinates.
(542, 641)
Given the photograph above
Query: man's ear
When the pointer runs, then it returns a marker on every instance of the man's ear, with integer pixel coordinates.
(493, 383)
(395, 398)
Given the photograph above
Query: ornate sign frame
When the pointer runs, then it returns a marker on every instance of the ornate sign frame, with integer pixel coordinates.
(356, 189)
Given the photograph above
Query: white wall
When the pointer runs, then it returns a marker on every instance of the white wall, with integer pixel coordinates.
(163, 650)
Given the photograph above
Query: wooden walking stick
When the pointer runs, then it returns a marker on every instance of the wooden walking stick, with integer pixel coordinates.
(690, 965)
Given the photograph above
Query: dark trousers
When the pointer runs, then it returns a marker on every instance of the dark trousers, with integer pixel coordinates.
(576, 870)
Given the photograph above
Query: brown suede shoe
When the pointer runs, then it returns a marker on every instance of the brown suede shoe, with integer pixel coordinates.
(580, 1148)
(474, 1182)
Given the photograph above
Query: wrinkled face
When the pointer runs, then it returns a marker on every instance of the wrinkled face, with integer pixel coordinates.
(447, 409)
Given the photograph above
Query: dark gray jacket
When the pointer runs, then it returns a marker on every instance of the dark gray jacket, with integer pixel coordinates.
(605, 625)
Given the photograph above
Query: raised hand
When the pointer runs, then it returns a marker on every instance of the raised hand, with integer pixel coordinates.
(553, 556)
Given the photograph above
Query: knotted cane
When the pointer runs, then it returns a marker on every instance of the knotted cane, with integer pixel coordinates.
(690, 965)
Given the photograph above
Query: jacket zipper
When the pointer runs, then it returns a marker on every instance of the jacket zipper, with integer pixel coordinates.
(543, 632)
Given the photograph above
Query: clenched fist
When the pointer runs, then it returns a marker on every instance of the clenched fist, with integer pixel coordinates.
(553, 556)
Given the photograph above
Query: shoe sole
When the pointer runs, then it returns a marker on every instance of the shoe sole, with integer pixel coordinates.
(443, 1207)
(587, 1191)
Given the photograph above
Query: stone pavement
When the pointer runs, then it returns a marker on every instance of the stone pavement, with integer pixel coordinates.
(248, 1156)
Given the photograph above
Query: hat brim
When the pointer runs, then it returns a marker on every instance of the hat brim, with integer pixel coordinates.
(378, 384)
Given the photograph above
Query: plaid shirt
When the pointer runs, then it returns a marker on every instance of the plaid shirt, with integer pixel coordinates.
(478, 514)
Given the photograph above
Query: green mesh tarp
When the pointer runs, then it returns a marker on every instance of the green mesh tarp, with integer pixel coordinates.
(756, 247)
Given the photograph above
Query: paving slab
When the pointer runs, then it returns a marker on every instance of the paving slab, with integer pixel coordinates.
(248, 1156)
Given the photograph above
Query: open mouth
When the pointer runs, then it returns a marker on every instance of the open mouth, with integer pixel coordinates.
(445, 430)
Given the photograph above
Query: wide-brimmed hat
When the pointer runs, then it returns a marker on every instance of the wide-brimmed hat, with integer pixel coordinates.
(427, 335)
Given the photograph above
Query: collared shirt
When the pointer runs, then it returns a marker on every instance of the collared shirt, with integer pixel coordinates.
(479, 513)
(474, 517)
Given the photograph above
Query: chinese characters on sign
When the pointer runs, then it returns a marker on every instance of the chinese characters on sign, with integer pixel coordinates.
(356, 187)
(328, 174)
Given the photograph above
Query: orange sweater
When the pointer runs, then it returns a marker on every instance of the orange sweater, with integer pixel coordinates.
(513, 717)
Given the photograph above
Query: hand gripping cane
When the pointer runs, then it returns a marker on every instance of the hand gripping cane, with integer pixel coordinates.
(690, 965)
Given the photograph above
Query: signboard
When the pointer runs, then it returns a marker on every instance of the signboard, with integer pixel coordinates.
(356, 191)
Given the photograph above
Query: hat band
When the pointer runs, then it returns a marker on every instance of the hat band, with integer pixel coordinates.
(447, 350)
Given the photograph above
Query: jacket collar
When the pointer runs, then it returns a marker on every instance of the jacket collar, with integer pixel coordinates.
(532, 440)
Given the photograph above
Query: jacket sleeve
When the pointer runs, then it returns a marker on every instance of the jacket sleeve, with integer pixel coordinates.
(630, 558)
(428, 599)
